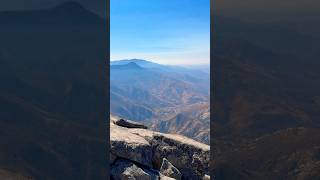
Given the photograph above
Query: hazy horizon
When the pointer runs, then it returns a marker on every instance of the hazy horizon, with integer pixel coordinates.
(150, 60)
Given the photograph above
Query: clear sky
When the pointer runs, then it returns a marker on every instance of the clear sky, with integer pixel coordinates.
(164, 31)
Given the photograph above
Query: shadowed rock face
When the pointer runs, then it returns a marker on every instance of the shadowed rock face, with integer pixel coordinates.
(175, 156)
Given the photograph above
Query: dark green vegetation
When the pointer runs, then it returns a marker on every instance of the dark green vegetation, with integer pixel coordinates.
(53, 110)
(266, 102)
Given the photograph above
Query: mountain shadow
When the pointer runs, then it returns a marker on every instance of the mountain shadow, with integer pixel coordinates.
(265, 117)
(53, 94)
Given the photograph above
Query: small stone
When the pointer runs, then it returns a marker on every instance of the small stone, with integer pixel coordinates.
(169, 170)
(124, 170)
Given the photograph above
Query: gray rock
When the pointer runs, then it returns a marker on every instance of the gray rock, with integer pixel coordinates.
(130, 146)
(129, 124)
(125, 170)
(169, 170)
(149, 148)
(190, 157)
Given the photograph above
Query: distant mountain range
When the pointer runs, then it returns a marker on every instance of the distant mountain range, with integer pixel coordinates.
(171, 99)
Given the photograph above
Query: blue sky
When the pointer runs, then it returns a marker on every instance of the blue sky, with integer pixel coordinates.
(164, 31)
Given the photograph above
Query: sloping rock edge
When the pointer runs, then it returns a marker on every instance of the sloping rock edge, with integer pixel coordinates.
(142, 153)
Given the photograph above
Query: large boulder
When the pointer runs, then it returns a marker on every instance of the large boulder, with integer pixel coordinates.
(190, 157)
(160, 154)
(130, 146)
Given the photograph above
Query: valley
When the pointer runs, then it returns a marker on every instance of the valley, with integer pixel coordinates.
(170, 99)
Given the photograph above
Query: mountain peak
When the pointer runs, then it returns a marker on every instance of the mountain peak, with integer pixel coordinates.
(138, 60)
(65, 13)
(130, 65)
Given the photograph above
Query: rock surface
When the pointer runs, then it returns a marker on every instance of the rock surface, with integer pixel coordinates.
(169, 170)
(124, 169)
(130, 146)
(143, 154)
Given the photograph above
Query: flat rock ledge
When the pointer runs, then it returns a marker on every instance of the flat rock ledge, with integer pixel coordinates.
(139, 153)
